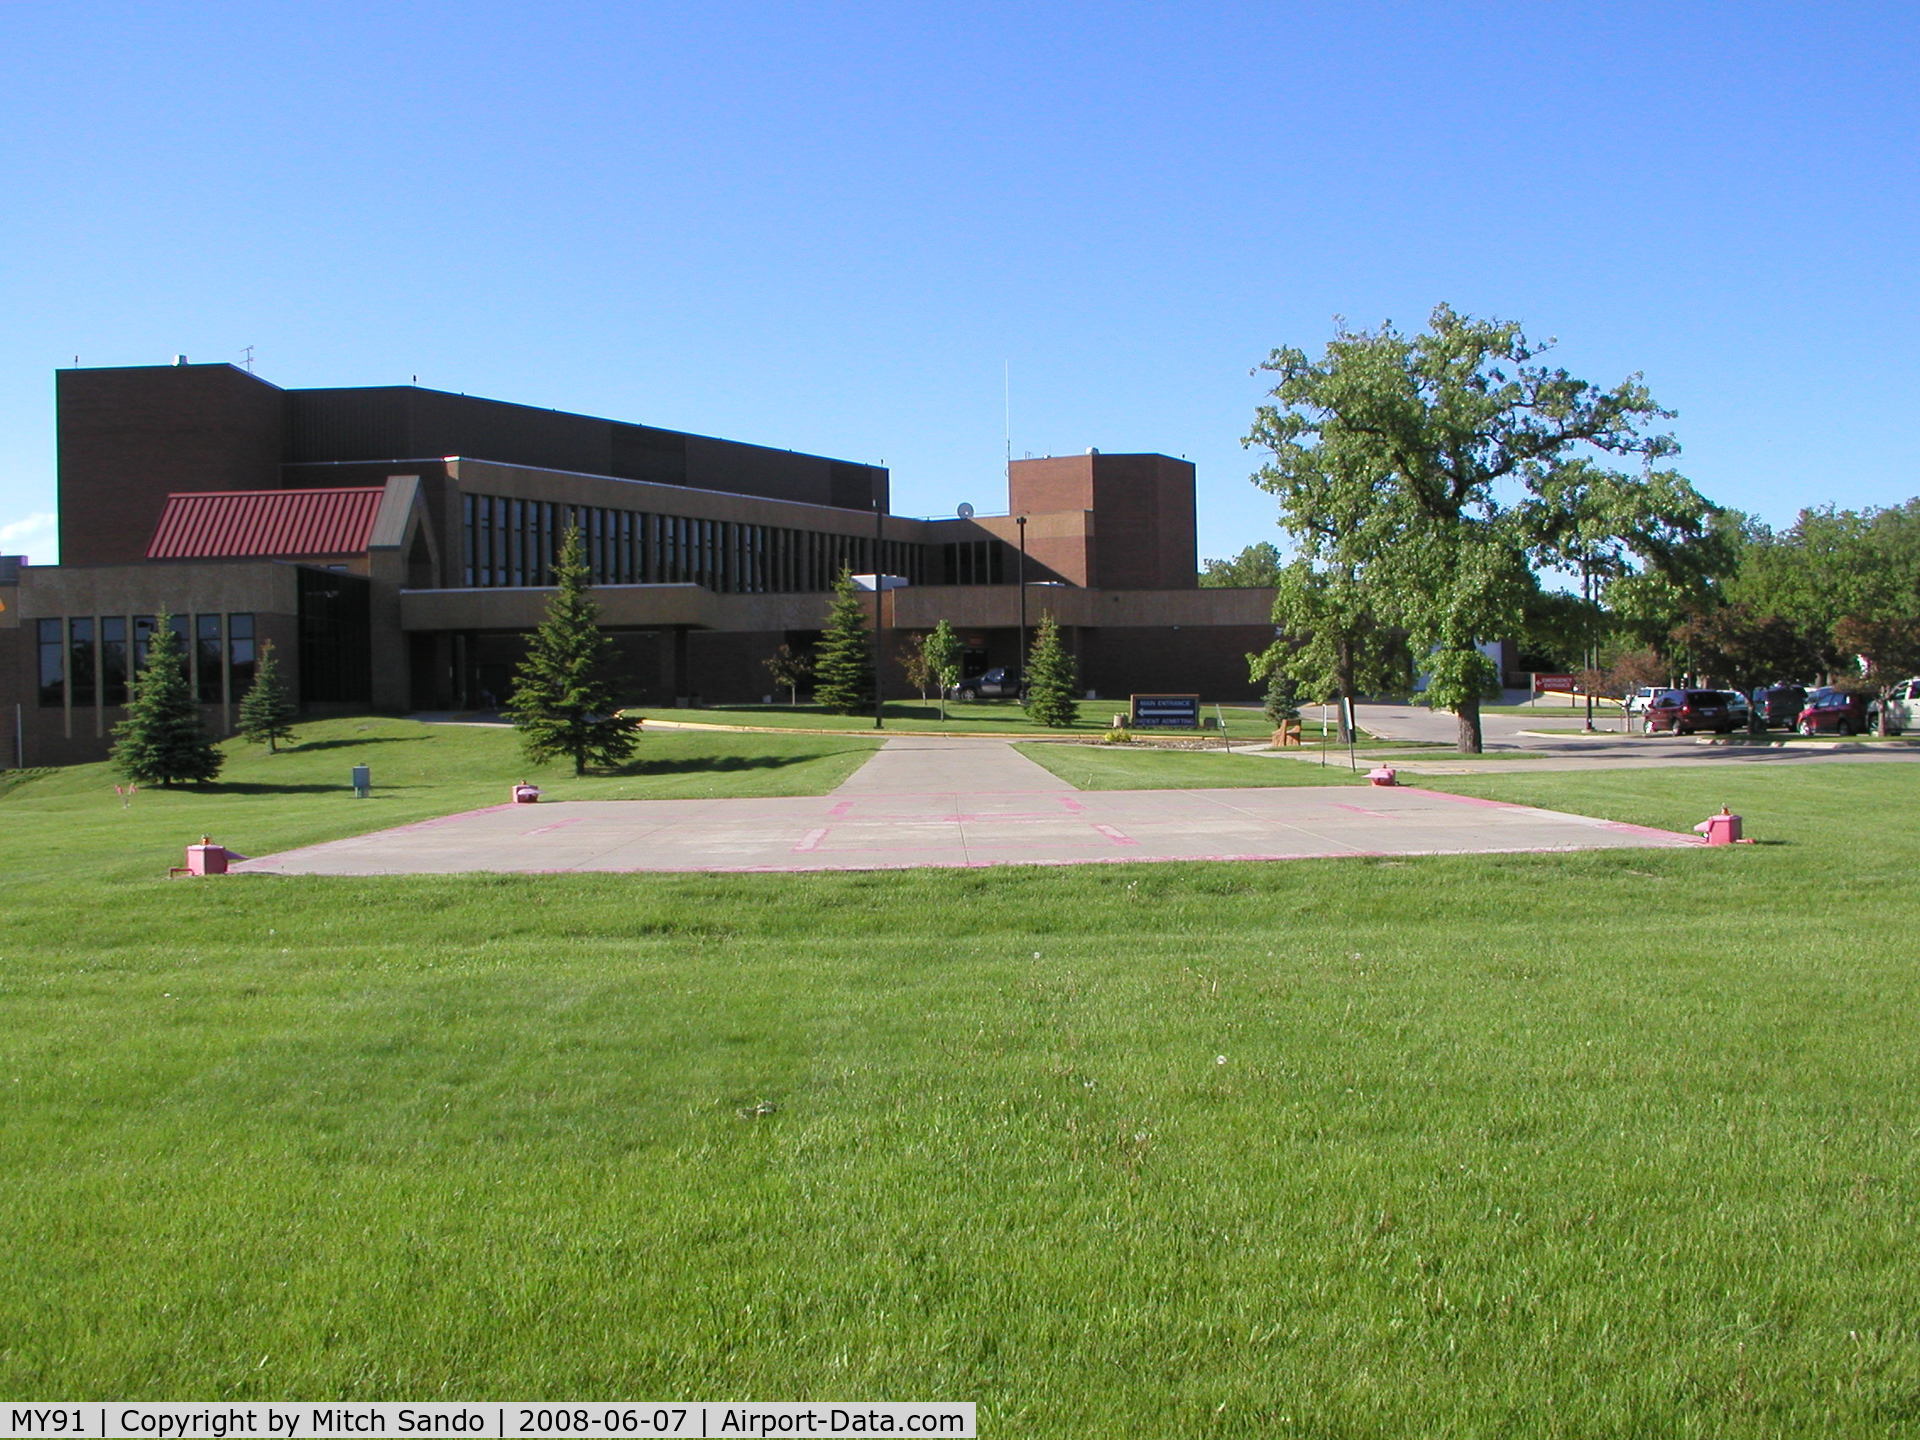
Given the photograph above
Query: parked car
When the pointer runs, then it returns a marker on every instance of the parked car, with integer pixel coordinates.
(1829, 711)
(1685, 711)
(1737, 708)
(1903, 709)
(1001, 682)
(1637, 701)
(1780, 705)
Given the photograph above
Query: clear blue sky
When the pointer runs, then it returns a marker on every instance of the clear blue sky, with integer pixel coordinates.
(835, 228)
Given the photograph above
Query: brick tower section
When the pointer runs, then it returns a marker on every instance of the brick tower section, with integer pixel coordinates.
(1145, 537)
(130, 437)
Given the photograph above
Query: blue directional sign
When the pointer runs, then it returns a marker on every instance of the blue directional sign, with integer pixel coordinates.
(1165, 712)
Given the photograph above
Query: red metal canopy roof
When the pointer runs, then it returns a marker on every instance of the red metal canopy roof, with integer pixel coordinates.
(265, 523)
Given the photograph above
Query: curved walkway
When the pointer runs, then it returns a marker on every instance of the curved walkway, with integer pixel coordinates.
(947, 801)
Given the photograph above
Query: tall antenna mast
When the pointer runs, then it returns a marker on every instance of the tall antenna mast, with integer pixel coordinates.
(1007, 382)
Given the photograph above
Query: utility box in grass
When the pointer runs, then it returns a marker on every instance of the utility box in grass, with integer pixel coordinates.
(362, 781)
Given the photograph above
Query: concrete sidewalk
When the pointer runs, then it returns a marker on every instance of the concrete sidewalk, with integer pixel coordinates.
(953, 802)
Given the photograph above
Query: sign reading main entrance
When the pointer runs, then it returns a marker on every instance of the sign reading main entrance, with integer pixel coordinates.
(1165, 712)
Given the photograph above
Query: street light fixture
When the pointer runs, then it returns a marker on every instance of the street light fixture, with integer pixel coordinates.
(878, 587)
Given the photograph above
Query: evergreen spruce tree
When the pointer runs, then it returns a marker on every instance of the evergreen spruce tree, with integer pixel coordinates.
(560, 705)
(162, 740)
(267, 710)
(1283, 697)
(1051, 682)
(843, 660)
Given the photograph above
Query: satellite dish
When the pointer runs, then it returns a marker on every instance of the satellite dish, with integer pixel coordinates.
(966, 511)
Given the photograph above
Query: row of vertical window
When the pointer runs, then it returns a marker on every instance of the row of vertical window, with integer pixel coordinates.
(91, 659)
(515, 542)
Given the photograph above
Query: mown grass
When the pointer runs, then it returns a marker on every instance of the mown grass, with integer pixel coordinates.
(1142, 767)
(963, 717)
(303, 795)
(1607, 1144)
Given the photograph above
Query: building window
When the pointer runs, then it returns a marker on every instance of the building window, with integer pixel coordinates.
(81, 660)
(469, 539)
(113, 660)
(142, 638)
(240, 654)
(207, 653)
(53, 660)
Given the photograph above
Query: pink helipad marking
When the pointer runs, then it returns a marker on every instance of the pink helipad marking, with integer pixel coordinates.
(1464, 799)
(1119, 837)
(1624, 828)
(839, 811)
(1071, 805)
(450, 819)
(557, 825)
(1361, 810)
(810, 841)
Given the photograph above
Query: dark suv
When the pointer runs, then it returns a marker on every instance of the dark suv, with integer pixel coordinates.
(1685, 711)
(1779, 705)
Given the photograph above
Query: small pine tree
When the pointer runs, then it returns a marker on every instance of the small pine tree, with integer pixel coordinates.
(560, 705)
(162, 740)
(1283, 697)
(267, 710)
(943, 653)
(843, 660)
(1051, 682)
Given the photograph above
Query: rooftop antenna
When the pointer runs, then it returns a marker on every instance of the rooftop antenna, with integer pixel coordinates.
(249, 359)
(1007, 386)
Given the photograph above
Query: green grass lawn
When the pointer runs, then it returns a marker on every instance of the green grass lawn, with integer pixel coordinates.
(303, 795)
(1136, 767)
(963, 717)
(1597, 1145)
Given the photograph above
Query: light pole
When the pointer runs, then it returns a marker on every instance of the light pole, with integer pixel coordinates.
(1592, 659)
(1021, 521)
(878, 723)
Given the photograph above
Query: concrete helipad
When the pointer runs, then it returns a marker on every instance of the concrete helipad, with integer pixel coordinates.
(938, 801)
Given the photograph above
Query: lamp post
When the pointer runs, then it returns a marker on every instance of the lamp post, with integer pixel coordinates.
(878, 723)
(1021, 660)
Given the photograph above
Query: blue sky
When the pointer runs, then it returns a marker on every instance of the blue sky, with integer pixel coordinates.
(841, 228)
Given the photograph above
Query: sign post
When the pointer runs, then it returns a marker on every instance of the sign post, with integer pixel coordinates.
(1164, 712)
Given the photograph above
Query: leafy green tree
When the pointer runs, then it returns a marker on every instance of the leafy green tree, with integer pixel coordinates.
(561, 704)
(1257, 567)
(1332, 645)
(790, 668)
(1447, 458)
(162, 740)
(943, 652)
(1890, 650)
(843, 660)
(1051, 682)
(267, 709)
(1738, 644)
(1862, 564)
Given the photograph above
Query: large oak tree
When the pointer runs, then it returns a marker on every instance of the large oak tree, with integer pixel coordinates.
(1434, 472)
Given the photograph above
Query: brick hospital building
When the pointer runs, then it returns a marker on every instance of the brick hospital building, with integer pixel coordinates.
(395, 544)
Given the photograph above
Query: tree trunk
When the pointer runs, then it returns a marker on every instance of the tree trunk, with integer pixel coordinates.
(1470, 737)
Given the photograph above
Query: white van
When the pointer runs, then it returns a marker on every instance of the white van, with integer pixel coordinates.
(1903, 708)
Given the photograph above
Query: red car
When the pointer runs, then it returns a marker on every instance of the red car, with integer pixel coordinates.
(1834, 712)
(1685, 711)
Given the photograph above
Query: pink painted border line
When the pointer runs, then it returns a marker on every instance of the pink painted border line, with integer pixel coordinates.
(1619, 825)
